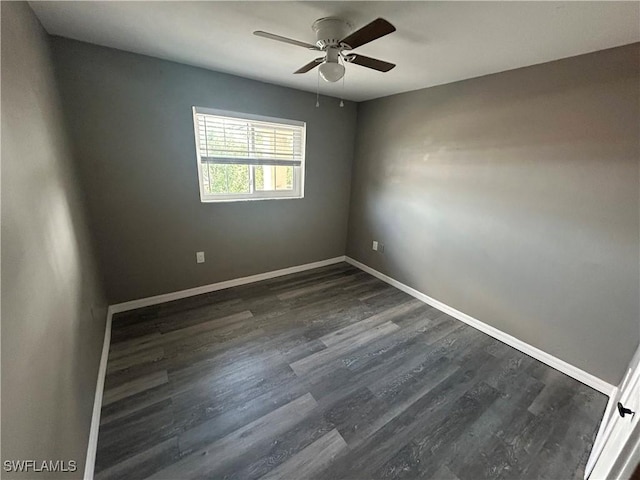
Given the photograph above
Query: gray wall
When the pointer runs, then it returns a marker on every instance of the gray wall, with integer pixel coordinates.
(51, 341)
(130, 118)
(514, 198)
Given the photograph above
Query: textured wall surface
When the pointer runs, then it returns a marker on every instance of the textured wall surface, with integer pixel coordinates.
(53, 308)
(131, 122)
(514, 199)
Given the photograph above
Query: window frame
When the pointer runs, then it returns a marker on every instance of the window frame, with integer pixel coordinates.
(298, 171)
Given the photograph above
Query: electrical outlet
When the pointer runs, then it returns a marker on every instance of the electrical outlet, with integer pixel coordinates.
(377, 246)
(199, 257)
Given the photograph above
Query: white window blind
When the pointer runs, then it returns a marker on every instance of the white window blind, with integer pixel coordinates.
(248, 141)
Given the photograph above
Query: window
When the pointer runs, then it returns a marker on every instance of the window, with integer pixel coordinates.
(248, 157)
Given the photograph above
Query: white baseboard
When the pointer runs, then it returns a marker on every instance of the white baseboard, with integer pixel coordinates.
(564, 367)
(90, 462)
(168, 297)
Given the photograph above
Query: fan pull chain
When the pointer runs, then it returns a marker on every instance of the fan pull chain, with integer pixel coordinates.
(342, 95)
(344, 75)
(318, 91)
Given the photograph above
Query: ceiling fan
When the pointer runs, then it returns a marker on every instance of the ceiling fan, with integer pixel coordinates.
(332, 38)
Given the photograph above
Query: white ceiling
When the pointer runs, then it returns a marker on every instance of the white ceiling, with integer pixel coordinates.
(435, 42)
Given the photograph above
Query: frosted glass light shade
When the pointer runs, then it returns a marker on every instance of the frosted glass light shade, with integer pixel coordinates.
(331, 72)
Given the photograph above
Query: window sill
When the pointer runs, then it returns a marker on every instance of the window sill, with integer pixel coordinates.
(231, 200)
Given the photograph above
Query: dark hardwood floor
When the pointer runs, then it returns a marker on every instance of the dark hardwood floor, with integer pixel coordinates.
(331, 374)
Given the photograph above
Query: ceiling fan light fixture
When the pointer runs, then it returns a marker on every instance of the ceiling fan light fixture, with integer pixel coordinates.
(331, 41)
(331, 72)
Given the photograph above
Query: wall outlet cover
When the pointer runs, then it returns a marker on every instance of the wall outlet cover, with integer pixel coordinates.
(199, 257)
(375, 245)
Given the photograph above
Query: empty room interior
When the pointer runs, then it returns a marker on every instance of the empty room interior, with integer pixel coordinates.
(320, 240)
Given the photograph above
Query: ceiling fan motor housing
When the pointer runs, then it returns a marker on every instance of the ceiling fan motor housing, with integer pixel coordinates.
(329, 32)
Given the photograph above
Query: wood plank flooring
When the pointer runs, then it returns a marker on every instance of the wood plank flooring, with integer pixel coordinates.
(331, 374)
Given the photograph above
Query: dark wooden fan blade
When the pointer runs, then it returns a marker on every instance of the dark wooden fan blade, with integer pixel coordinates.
(310, 66)
(369, 62)
(280, 38)
(376, 29)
